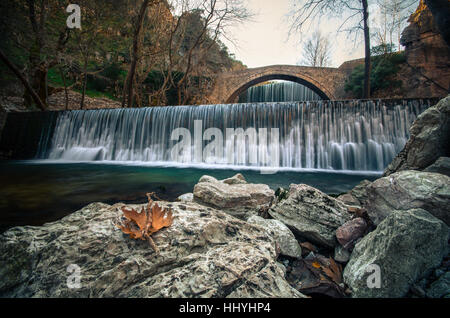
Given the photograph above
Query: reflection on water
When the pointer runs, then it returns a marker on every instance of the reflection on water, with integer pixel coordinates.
(35, 193)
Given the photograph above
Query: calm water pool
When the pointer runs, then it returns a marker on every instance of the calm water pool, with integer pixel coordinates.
(33, 193)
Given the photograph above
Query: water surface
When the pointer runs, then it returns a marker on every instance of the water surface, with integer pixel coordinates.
(36, 192)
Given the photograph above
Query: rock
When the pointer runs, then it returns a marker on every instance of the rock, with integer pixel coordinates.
(341, 254)
(281, 194)
(283, 236)
(357, 196)
(349, 199)
(440, 288)
(417, 290)
(311, 214)
(430, 137)
(237, 179)
(238, 199)
(442, 166)
(205, 253)
(207, 179)
(349, 232)
(188, 197)
(409, 190)
(406, 247)
(282, 267)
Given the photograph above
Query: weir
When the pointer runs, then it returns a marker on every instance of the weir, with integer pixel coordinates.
(278, 92)
(330, 135)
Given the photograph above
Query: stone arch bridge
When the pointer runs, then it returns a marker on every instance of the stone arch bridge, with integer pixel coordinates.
(325, 81)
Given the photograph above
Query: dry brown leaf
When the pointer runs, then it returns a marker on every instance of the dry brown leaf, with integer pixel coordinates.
(149, 221)
(334, 271)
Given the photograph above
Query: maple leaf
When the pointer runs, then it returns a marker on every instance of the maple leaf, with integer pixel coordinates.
(149, 221)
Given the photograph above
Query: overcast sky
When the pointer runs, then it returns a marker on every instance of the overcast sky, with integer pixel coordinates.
(264, 41)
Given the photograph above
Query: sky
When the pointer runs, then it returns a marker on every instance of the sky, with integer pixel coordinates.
(264, 41)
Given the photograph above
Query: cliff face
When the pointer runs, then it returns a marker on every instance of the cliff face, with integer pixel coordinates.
(427, 56)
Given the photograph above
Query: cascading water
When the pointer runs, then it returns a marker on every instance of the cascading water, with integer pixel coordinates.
(278, 92)
(350, 135)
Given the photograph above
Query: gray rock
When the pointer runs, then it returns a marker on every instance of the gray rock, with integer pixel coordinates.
(311, 214)
(188, 197)
(442, 166)
(357, 196)
(206, 179)
(205, 253)
(409, 190)
(341, 254)
(430, 137)
(440, 288)
(349, 199)
(283, 236)
(237, 179)
(406, 247)
(238, 199)
(350, 231)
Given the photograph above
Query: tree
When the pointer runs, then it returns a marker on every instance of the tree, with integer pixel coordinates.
(348, 9)
(194, 33)
(138, 22)
(24, 81)
(317, 51)
(391, 19)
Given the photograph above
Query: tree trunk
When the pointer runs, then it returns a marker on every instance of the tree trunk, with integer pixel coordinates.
(135, 52)
(24, 81)
(66, 92)
(367, 67)
(83, 95)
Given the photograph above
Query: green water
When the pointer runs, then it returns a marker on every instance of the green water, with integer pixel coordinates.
(33, 193)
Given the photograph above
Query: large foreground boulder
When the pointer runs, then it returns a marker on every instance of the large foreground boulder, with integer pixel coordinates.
(408, 190)
(430, 137)
(234, 195)
(205, 253)
(311, 214)
(405, 247)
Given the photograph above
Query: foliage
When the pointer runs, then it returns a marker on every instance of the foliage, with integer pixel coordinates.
(142, 225)
(96, 59)
(384, 68)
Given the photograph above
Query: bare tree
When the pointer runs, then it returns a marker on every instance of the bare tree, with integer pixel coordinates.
(217, 17)
(317, 51)
(391, 19)
(138, 22)
(349, 10)
(24, 81)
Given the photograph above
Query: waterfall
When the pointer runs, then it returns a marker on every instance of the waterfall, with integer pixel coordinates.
(348, 135)
(278, 92)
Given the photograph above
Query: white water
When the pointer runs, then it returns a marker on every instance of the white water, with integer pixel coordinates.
(279, 92)
(349, 136)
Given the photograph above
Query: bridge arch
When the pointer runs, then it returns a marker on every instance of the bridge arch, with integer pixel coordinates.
(326, 82)
(235, 95)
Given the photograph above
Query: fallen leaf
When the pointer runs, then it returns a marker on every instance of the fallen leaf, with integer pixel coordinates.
(149, 221)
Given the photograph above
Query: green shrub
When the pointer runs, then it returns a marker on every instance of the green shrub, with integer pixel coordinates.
(383, 69)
